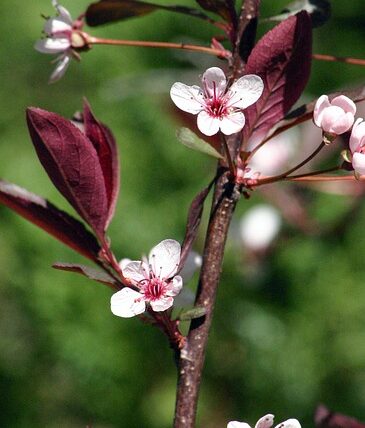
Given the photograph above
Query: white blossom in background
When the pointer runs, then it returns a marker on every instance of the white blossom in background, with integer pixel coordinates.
(154, 279)
(334, 117)
(259, 226)
(218, 106)
(266, 422)
(60, 39)
(357, 146)
(192, 264)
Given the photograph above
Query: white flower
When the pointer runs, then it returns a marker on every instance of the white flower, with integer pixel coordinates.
(266, 422)
(155, 280)
(218, 107)
(357, 146)
(59, 40)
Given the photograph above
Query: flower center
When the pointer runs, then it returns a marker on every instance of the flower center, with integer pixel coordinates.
(154, 289)
(216, 105)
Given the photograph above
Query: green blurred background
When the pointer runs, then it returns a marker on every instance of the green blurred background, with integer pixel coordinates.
(288, 334)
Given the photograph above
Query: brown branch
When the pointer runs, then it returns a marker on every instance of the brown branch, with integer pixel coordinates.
(331, 58)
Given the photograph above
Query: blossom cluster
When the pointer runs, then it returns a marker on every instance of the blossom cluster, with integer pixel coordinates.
(266, 422)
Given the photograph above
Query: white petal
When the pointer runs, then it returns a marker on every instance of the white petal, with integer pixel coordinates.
(207, 124)
(232, 123)
(358, 163)
(214, 81)
(123, 263)
(265, 422)
(165, 258)
(162, 304)
(127, 303)
(192, 263)
(235, 424)
(245, 91)
(60, 69)
(187, 98)
(57, 25)
(63, 12)
(137, 271)
(290, 423)
(321, 104)
(357, 135)
(175, 286)
(52, 45)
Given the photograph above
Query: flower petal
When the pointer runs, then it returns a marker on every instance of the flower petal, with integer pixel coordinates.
(57, 25)
(208, 125)
(232, 123)
(245, 91)
(63, 12)
(265, 422)
(235, 424)
(336, 121)
(321, 104)
(214, 82)
(187, 98)
(162, 304)
(345, 103)
(357, 138)
(175, 286)
(136, 271)
(60, 69)
(192, 263)
(52, 45)
(127, 303)
(290, 423)
(358, 163)
(164, 258)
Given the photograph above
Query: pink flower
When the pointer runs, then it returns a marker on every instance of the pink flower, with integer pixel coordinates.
(266, 422)
(62, 36)
(357, 146)
(218, 107)
(155, 280)
(335, 117)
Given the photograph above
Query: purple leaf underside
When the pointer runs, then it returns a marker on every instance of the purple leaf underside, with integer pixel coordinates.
(89, 272)
(49, 218)
(106, 148)
(72, 164)
(282, 58)
(324, 418)
(108, 11)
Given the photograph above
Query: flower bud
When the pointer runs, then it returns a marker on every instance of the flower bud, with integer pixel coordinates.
(357, 146)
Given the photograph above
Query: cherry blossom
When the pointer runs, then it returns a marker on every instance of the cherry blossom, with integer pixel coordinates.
(357, 146)
(218, 106)
(62, 36)
(154, 279)
(266, 422)
(334, 117)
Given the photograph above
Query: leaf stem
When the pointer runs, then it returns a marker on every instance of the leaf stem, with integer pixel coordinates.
(231, 165)
(332, 58)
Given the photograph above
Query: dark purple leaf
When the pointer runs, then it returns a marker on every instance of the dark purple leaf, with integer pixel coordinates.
(282, 58)
(224, 8)
(324, 418)
(89, 272)
(246, 31)
(72, 164)
(49, 218)
(106, 148)
(192, 226)
(106, 11)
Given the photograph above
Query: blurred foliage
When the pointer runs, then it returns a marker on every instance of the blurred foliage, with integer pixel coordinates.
(283, 339)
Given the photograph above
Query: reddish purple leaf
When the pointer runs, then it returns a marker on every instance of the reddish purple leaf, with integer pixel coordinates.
(192, 226)
(224, 8)
(89, 272)
(49, 218)
(107, 11)
(324, 418)
(282, 58)
(72, 164)
(106, 148)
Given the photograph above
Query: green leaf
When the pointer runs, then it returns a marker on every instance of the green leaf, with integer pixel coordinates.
(191, 314)
(189, 139)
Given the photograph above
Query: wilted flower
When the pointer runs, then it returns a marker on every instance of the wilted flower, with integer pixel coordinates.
(266, 422)
(357, 146)
(334, 117)
(218, 107)
(155, 280)
(62, 37)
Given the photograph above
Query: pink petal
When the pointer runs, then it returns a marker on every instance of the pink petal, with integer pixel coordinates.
(136, 271)
(52, 45)
(345, 103)
(358, 162)
(265, 422)
(321, 104)
(162, 304)
(357, 135)
(187, 98)
(336, 121)
(57, 25)
(235, 424)
(164, 258)
(61, 68)
(127, 303)
(175, 286)
(245, 91)
(207, 124)
(290, 423)
(214, 81)
(232, 123)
